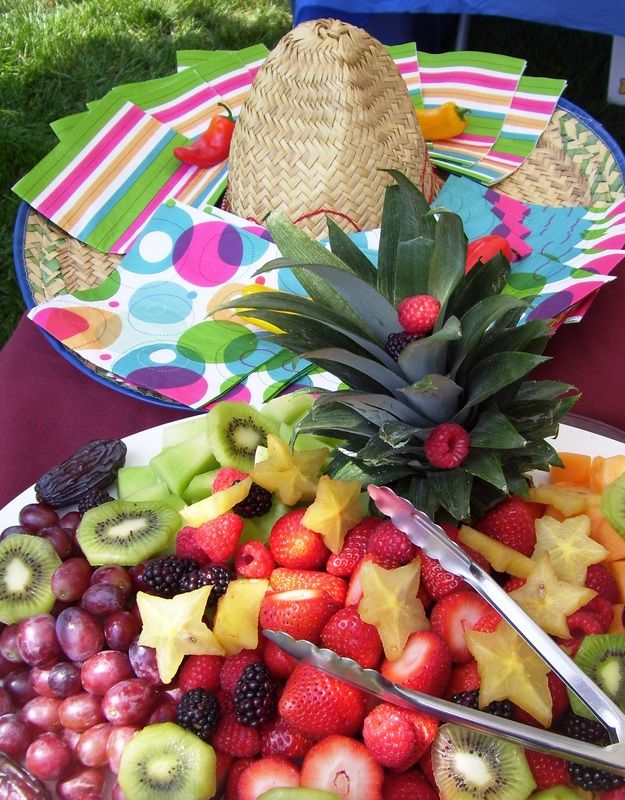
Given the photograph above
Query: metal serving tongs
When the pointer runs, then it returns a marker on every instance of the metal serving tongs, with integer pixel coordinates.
(433, 540)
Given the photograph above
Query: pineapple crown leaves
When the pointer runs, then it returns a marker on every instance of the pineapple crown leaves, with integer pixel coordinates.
(469, 370)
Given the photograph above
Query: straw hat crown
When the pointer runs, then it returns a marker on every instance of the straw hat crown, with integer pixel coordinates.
(326, 112)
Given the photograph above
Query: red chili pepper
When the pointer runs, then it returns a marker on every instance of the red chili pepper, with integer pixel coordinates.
(487, 247)
(212, 146)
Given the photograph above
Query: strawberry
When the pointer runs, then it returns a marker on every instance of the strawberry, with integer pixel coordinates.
(354, 591)
(397, 738)
(463, 678)
(354, 548)
(233, 666)
(547, 770)
(237, 740)
(438, 581)
(425, 664)
(234, 773)
(253, 560)
(387, 540)
(318, 705)
(278, 738)
(348, 635)
(187, 546)
(447, 446)
(225, 477)
(418, 313)
(513, 583)
(200, 672)
(218, 537)
(302, 613)
(455, 614)
(296, 546)
(265, 774)
(512, 522)
(599, 578)
(222, 768)
(283, 579)
(277, 661)
(410, 785)
(343, 764)
(489, 622)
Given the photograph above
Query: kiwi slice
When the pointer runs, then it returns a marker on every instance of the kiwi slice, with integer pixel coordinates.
(166, 761)
(602, 658)
(126, 532)
(236, 430)
(470, 765)
(613, 504)
(27, 564)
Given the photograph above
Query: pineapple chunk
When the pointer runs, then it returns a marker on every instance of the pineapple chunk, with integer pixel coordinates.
(335, 510)
(499, 556)
(569, 545)
(570, 500)
(217, 504)
(236, 618)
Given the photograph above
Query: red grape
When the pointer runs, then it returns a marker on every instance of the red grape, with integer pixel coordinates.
(71, 579)
(9, 648)
(48, 757)
(80, 784)
(43, 713)
(119, 738)
(64, 679)
(120, 629)
(5, 666)
(129, 702)
(15, 735)
(164, 710)
(6, 702)
(81, 711)
(70, 521)
(71, 737)
(79, 633)
(12, 530)
(118, 576)
(116, 793)
(102, 599)
(36, 516)
(36, 639)
(18, 685)
(39, 677)
(143, 660)
(91, 747)
(60, 539)
(104, 670)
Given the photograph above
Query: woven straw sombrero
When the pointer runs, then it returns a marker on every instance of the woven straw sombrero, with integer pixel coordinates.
(575, 163)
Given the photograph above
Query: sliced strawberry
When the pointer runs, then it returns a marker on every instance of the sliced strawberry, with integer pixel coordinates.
(282, 579)
(489, 622)
(512, 522)
(455, 614)
(278, 738)
(354, 548)
(387, 540)
(318, 705)
(218, 537)
(397, 738)
(302, 613)
(348, 635)
(227, 477)
(343, 766)
(410, 785)
(463, 678)
(237, 740)
(547, 770)
(354, 591)
(277, 661)
(294, 545)
(265, 774)
(234, 773)
(425, 664)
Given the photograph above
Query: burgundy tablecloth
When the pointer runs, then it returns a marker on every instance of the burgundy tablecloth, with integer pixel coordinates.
(48, 408)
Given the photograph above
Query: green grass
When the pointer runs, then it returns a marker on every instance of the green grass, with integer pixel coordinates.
(55, 55)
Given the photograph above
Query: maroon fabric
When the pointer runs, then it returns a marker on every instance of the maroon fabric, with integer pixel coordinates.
(48, 408)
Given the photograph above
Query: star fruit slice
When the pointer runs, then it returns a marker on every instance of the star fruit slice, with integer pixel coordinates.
(335, 510)
(292, 476)
(569, 545)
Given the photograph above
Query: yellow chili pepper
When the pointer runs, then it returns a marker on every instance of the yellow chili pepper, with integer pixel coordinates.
(441, 122)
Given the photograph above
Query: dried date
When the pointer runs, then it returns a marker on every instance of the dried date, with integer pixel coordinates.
(16, 783)
(93, 466)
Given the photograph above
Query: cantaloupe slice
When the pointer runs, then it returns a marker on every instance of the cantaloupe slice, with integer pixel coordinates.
(552, 511)
(601, 531)
(604, 471)
(576, 469)
(617, 568)
(617, 620)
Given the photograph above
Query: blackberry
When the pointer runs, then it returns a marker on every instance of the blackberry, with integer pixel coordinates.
(219, 577)
(593, 780)
(163, 574)
(257, 503)
(198, 712)
(195, 580)
(255, 696)
(584, 729)
(93, 498)
(499, 708)
(396, 342)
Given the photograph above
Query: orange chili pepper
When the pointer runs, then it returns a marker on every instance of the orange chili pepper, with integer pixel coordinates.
(442, 122)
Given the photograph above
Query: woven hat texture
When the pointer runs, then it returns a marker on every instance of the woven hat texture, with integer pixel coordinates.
(327, 112)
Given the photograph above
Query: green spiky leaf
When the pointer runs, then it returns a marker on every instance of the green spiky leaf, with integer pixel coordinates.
(498, 371)
(494, 429)
(448, 258)
(486, 464)
(453, 489)
(350, 254)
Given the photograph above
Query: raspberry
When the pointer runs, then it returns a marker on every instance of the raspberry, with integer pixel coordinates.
(200, 672)
(254, 560)
(396, 342)
(599, 578)
(187, 546)
(233, 668)
(447, 446)
(92, 499)
(163, 575)
(584, 623)
(418, 314)
(388, 540)
(198, 712)
(255, 696)
(602, 609)
(218, 537)
(257, 503)
(227, 477)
